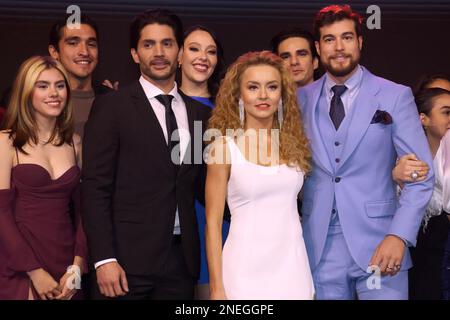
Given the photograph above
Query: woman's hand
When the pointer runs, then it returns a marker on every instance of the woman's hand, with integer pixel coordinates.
(66, 286)
(70, 282)
(44, 284)
(406, 166)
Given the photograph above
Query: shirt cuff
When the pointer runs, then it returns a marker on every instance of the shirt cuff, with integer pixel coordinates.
(102, 262)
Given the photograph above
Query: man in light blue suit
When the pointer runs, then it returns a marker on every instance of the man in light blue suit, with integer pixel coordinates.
(358, 124)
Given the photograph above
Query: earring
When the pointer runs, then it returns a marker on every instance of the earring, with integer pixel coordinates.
(241, 112)
(280, 113)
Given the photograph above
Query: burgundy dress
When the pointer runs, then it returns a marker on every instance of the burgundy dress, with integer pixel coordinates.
(36, 227)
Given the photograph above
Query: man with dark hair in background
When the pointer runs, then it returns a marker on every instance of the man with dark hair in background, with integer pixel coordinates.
(296, 47)
(77, 49)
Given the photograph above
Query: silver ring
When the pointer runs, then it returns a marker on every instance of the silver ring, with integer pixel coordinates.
(414, 175)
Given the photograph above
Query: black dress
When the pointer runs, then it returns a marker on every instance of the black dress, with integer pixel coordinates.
(426, 276)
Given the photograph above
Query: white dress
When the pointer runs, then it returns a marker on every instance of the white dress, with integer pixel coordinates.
(264, 256)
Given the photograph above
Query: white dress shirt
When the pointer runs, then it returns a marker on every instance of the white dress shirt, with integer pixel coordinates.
(348, 97)
(179, 109)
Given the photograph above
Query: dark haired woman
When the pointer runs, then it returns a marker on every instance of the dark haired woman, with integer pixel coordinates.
(201, 63)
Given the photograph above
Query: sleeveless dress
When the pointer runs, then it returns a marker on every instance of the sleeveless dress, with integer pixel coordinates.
(37, 227)
(264, 256)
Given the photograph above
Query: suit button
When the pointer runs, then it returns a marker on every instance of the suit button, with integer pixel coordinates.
(333, 211)
(337, 160)
(337, 179)
(336, 143)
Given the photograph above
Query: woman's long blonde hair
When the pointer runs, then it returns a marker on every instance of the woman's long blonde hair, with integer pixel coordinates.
(20, 121)
(294, 145)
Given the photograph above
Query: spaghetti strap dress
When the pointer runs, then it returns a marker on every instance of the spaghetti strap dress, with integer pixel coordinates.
(40, 227)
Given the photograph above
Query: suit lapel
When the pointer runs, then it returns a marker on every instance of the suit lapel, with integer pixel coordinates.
(146, 113)
(317, 145)
(363, 109)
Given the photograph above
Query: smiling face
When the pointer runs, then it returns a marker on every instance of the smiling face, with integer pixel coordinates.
(297, 57)
(260, 89)
(198, 58)
(156, 53)
(339, 48)
(78, 51)
(49, 96)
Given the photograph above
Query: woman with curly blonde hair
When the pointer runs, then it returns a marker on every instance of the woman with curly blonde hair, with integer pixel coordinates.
(257, 164)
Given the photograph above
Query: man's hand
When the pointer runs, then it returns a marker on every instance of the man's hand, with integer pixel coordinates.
(111, 280)
(388, 255)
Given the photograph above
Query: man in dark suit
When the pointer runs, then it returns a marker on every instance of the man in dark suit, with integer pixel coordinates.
(138, 197)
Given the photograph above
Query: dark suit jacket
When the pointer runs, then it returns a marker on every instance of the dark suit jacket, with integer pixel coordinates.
(130, 190)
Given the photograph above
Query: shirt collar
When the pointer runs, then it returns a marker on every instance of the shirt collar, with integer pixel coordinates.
(151, 91)
(352, 83)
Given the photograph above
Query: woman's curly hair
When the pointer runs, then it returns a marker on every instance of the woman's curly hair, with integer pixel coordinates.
(294, 145)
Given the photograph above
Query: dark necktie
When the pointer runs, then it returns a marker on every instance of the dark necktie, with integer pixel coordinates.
(173, 136)
(337, 111)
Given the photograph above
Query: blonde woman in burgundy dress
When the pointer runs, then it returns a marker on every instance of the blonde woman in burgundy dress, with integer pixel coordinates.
(42, 245)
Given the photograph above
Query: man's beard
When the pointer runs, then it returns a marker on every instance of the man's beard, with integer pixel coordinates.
(341, 72)
(155, 76)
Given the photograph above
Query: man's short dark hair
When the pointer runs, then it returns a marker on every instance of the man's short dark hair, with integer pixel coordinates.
(293, 33)
(56, 30)
(334, 13)
(158, 16)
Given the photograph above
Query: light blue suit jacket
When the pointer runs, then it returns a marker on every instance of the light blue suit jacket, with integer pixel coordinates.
(365, 195)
